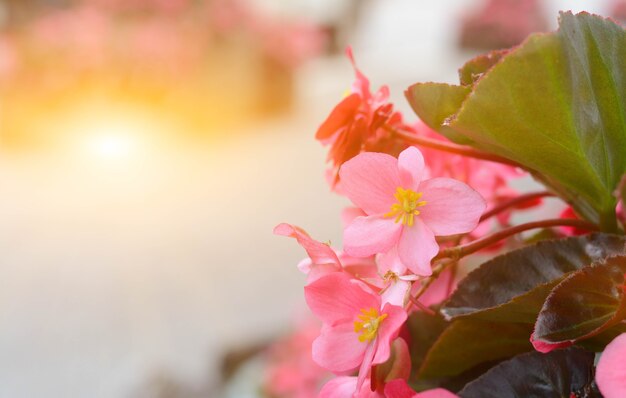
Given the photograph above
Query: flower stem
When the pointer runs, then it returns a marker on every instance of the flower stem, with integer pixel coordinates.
(438, 269)
(472, 247)
(451, 256)
(421, 306)
(449, 147)
(453, 273)
(514, 202)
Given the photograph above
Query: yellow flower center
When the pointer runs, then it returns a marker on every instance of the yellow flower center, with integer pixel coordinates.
(368, 324)
(390, 276)
(406, 208)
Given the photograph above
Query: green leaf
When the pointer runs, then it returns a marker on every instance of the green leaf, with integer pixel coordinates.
(512, 287)
(598, 342)
(542, 234)
(474, 69)
(468, 342)
(436, 102)
(584, 304)
(424, 329)
(596, 53)
(558, 374)
(557, 105)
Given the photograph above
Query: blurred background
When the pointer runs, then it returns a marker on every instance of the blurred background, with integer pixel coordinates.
(148, 148)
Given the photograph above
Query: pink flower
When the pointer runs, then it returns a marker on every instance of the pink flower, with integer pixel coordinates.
(356, 124)
(501, 23)
(400, 389)
(324, 260)
(404, 212)
(356, 332)
(77, 35)
(290, 370)
(571, 231)
(346, 387)
(290, 43)
(397, 367)
(611, 370)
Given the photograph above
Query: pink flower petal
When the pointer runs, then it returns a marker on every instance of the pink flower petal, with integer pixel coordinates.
(361, 268)
(397, 367)
(338, 348)
(439, 290)
(339, 117)
(366, 364)
(451, 206)
(411, 167)
(398, 389)
(345, 387)
(417, 246)
(390, 261)
(362, 83)
(396, 292)
(381, 96)
(339, 387)
(370, 180)
(349, 214)
(320, 253)
(611, 370)
(366, 236)
(319, 271)
(335, 298)
(388, 331)
(305, 265)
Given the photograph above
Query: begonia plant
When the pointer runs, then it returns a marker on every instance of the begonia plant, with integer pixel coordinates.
(406, 311)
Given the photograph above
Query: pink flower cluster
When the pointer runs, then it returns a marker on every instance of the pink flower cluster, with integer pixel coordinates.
(365, 122)
(410, 204)
(165, 38)
(361, 295)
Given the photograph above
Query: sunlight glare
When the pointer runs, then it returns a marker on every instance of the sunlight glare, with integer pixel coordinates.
(115, 144)
(112, 136)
